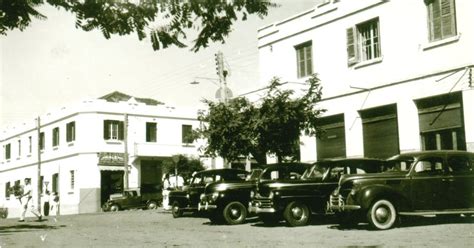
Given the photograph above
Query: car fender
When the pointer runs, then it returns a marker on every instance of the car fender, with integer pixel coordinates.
(366, 195)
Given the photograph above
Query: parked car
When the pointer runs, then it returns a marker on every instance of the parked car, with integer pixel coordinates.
(417, 183)
(296, 200)
(133, 198)
(187, 199)
(228, 201)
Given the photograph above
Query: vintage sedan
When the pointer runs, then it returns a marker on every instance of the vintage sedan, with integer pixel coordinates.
(227, 201)
(297, 200)
(417, 183)
(187, 199)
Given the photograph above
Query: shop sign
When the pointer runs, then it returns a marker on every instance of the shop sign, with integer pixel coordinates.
(111, 158)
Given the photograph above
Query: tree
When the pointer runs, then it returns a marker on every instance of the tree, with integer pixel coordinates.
(186, 166)
(239, 127)
(212, 19)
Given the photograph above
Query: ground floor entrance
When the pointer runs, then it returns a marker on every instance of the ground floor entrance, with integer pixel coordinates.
(111, 182)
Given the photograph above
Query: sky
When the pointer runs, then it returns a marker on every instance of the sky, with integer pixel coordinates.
(52, 64)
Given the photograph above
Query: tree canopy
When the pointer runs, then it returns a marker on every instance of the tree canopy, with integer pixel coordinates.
(274, 125)
(185, 165)
(165, 22)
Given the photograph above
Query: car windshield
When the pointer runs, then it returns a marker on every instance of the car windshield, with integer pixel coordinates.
(280, 173)
(254, 175)
(399, 163)
(315, 171)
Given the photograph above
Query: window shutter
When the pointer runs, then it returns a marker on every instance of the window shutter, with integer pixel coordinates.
(447, 18)
(106, 130)
(351, 46)
(120, 130)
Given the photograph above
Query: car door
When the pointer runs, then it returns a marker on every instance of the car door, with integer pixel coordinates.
(197, 188)
(429, 190)
(461, 182)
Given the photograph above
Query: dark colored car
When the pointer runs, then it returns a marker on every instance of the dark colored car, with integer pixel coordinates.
(133, 198)
(296, 200)
(417, 183)
(227, 202)
(187, 199)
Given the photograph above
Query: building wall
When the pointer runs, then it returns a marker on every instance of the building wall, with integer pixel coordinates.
(410, 67)
(82, 194)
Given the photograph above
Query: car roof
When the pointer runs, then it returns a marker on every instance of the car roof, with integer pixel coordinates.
(221, 171)
(433, 152)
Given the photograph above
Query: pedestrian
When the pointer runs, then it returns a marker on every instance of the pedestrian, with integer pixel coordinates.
(55, 206)
(47, 196)
(166, 191)
(25, 199)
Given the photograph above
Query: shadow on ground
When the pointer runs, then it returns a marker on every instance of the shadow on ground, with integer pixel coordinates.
(26, 227)
(415, 221)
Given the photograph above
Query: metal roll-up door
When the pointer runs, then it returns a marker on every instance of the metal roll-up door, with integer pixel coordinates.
(440, 117)
(380, 132)
(332, 143)
(441, 122)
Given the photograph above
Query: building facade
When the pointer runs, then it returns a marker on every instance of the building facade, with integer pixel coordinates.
(82, 149)
(396, 75)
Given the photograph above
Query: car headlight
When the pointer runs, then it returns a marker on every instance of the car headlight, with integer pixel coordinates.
(271, 195)
(252, 194)
(214, 196)
(355, 189)
(202, 196)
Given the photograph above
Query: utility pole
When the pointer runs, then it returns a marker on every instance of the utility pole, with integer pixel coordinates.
(222, 75)
(125, 154)
(38, 128)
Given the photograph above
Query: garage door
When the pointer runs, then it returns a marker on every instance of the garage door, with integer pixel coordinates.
(380, 131)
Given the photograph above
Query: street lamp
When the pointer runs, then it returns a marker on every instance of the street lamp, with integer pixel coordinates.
(223, 92)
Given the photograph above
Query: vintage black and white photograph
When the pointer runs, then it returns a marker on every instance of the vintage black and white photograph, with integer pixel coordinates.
(236, 123)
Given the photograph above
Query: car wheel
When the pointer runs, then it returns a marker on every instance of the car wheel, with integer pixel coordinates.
(382, 215)
(114, 208)
(152, 205)
(176, 210)
(269, 219)
(235, 213)
(296, 214)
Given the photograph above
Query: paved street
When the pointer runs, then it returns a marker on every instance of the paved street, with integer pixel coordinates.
(159, 229)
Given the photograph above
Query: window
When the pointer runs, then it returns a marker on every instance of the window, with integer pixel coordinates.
(19, 148)
(54, 184)
(71, 131)
(460, 165)
(441, 19)
(113, 130)
(56, 136)
(304, 61)
(72, 179)
(30, 145)
(187, 134)
(41, 141)
(363, 42)
(7, 151)
(7, 190)
(150, 132)
(41, 184)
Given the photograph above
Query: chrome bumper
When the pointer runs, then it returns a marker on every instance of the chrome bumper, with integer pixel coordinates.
(254, 208)
(206, 206)
(337, 204)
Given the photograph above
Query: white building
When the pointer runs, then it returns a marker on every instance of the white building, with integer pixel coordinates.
(83, 147)
(396, 75)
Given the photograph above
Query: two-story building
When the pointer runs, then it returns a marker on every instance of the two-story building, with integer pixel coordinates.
(82, 150)
(396, 75)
